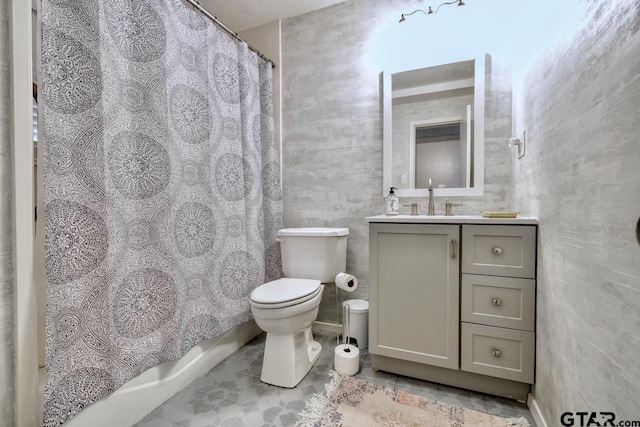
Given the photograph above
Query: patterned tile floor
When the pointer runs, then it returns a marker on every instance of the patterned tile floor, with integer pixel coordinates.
(232, 394)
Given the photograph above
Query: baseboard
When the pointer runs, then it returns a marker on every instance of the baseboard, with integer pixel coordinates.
(326, 327)
(532, 403)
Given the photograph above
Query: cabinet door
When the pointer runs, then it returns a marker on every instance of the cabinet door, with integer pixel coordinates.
(414, 292)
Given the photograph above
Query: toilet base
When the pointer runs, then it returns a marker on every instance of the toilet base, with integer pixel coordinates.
(288, 358)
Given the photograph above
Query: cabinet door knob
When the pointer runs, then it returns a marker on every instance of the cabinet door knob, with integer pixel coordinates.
(497, 302)
(495, 352)
(454, 245)
(497, 251)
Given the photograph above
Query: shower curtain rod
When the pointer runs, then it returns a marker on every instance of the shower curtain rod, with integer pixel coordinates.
(233, 34)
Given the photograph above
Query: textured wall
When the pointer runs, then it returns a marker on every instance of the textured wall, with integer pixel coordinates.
(6, 256)
(581, 177)
(332, 126)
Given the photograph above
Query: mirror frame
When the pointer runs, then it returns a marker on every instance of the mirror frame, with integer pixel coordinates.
(478, 135)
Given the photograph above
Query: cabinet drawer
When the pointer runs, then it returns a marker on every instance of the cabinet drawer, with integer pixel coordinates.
(498, 352)
(498, 301)
(499, 250)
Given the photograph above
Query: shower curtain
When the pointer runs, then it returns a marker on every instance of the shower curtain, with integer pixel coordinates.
(162, 190)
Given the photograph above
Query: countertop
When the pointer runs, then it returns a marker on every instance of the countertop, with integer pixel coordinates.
(454, 219)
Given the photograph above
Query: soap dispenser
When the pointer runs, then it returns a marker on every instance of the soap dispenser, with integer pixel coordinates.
(392, 203)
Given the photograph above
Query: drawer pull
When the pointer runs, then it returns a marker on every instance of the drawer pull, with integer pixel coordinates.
(495, 352)
(497, 302)
(454, 244)
(497, 251)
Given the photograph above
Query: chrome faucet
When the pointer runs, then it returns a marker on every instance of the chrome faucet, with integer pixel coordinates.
(432, 208)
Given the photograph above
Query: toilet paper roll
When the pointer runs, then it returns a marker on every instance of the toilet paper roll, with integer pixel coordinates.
(346, 281)
(347, 359)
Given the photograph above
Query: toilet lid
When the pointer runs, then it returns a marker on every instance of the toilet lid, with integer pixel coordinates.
(283, 290)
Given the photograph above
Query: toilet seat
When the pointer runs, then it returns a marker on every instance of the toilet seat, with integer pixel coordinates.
(286, 303)
(284, 293)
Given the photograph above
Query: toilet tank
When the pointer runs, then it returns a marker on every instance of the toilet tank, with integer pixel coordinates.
(313, 253)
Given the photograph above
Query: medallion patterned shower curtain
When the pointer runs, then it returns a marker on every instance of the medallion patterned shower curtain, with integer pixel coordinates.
(162, 190)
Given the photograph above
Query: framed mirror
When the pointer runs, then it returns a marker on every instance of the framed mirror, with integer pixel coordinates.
(434, 128)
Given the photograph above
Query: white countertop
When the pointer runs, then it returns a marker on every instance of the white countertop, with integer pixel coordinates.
(454, 219)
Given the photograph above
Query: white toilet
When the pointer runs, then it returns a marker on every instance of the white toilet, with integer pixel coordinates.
(286, 308)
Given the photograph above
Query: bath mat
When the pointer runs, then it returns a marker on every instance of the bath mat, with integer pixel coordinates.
(353, 402)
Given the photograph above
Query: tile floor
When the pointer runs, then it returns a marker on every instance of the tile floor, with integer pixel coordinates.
(232, 394)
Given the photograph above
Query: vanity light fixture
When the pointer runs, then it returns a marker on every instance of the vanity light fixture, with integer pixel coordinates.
(430, 11)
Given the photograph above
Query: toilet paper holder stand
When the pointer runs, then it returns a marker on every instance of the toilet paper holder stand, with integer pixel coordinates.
(346, 327)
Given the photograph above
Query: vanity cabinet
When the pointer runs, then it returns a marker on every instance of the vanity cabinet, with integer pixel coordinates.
(454, 303)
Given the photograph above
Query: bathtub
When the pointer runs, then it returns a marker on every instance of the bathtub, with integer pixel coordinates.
(141, 395)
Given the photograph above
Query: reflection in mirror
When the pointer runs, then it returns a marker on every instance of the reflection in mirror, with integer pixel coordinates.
(437, 155)
(434, 128)
(442, 150)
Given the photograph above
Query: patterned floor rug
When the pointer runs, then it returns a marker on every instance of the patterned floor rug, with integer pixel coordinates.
(352, 402)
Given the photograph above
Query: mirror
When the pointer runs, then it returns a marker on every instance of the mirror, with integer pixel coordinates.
(434, 128)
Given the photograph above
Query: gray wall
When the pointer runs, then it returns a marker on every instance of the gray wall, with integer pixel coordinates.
(332, 128)
(7, 342)
(581, 176)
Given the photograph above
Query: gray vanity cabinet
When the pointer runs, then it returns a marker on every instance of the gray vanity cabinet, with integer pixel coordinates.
(454, 303)
(414, 292)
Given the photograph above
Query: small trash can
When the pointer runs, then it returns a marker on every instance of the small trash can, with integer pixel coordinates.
(359, 321)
